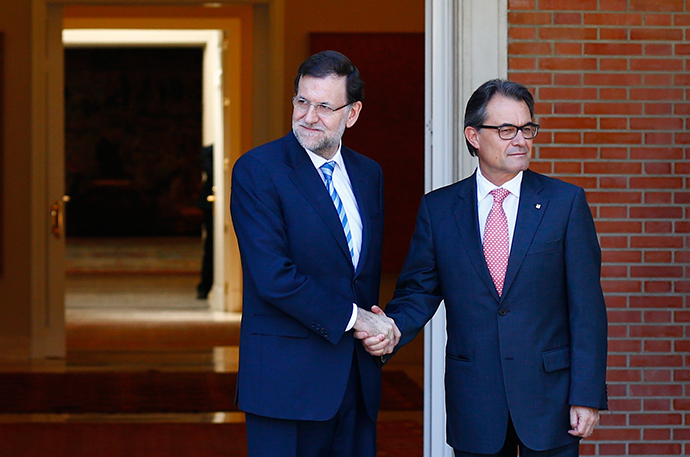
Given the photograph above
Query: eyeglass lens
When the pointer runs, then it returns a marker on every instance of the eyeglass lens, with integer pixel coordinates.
(508, 132)
(303, 105)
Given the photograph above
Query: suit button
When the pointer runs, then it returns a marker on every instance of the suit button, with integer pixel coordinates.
(502, 312)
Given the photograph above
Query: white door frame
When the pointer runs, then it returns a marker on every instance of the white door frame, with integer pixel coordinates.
(212, 110)
(466, 45)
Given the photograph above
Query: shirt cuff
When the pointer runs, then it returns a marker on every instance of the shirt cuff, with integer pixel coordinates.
(353, 318)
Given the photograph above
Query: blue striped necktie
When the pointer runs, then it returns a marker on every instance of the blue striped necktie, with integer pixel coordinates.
(327, 170)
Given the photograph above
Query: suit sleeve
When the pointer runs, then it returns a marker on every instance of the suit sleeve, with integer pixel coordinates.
(418, 292)
(587, 309)
(263, 241)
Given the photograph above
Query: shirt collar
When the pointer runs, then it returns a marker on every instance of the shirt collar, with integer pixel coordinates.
(317, 160)
(484, 186)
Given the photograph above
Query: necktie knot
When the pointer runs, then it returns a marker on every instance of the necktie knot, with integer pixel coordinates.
(500, 194)
(327, 170)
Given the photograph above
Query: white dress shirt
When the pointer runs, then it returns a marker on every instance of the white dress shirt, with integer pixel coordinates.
(342, 184)
(510, 205)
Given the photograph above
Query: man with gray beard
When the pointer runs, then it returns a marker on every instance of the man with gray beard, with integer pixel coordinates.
(308, 214)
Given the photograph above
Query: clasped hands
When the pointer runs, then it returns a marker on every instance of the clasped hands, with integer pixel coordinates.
(378, 332)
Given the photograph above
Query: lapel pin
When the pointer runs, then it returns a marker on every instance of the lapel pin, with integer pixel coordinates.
(538, 206)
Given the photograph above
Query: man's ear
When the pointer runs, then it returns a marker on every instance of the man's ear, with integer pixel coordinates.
(472, 135)
(353, 114)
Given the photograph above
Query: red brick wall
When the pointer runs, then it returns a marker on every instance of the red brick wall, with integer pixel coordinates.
(611, 80)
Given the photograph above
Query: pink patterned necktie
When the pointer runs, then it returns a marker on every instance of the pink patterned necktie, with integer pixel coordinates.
(496, 243)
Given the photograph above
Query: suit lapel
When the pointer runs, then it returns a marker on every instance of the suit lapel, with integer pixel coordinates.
(467, 220)
(531, 209)
(307, 180)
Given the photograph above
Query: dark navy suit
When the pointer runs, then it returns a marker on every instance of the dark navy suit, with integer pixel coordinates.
(300, 284)
(531, 353)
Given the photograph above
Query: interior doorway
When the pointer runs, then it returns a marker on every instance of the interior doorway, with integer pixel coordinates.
(132, 212)
(275, 106)
(234, 41)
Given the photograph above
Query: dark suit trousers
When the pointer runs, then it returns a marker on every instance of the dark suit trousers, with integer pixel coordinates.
(512, 443)
(351, 433)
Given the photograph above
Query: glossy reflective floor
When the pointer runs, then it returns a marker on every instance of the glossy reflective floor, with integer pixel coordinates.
(127, 310)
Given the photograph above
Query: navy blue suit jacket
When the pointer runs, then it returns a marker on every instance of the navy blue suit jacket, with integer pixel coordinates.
(536, 350)
(299, 283)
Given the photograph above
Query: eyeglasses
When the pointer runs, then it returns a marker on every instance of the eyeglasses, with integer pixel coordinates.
(509, 131)
(322, 109)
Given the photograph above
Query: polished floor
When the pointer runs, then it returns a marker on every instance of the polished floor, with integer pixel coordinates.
(136, 297)
(132, 306)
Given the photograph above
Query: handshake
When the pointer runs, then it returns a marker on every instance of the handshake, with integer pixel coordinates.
(378, 332)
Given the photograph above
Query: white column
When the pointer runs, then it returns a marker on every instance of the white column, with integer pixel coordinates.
(466, 45)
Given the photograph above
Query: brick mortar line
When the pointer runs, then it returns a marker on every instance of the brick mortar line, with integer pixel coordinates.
(538, 27)
(597, 41)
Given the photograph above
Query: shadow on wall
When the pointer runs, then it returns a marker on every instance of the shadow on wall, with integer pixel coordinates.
(391, 127)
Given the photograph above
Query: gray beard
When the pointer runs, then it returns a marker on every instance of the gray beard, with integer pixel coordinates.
(321, 147)
(328, 144)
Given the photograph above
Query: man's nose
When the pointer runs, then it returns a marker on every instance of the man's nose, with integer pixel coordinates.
(310, 116)
(519, 138)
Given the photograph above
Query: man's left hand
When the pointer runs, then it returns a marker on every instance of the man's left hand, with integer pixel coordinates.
(583, 420)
